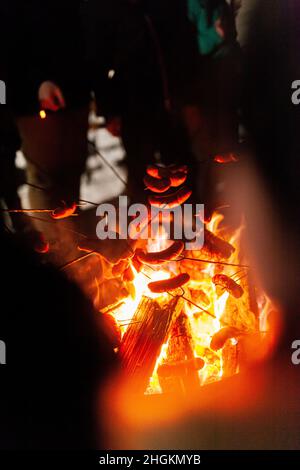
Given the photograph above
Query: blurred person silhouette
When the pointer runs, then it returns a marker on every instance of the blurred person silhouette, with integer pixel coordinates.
(218, 66)
(58, 357)
(46, 72)
(49, 80)
(212, 117)
(137, 100)
(175, 84)
(272, 120)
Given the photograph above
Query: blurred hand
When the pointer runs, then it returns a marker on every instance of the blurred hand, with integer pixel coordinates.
(51, 97)
(114, 126)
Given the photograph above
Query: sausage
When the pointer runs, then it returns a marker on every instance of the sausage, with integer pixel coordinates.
(157, 185)
(171, 200)
(215, 246)
(180, 367)
(160, 287)
(160, 257)
(63, 212)
(229, 284)
(226, 158)
(157, 171)
(160, 172)
(153, 170)
(177, 179)
(219, 339)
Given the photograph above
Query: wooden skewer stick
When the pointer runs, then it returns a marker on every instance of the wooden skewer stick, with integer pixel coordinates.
(76, 260)
(107, 163)
(49, 190)
(25, 211)
(213, 262)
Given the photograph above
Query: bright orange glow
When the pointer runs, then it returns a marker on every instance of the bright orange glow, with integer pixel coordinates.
(43, 114)
(209, 308)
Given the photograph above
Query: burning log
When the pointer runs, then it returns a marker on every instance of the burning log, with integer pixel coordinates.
(180, 368)
(179, 372)
(145, 336)
(231, 358)
(253, 306)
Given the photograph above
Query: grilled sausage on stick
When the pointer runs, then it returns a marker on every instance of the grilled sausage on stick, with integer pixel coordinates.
(170, 201)
(166, 285)
(164, 256)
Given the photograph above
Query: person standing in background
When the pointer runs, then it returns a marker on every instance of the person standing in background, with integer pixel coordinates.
(137, 100)
(212, 120)
(46, 72)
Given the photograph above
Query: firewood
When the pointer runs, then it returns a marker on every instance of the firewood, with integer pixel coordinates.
(145, 336)
(180, 350)
(180, 368)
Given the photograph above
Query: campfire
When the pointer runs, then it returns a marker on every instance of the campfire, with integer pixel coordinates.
(189, 314)
(184, 317)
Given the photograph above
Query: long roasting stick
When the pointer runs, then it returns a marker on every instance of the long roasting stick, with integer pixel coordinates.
(115, 172)
(201, 308)
(212, 262)
(26, 211)
(40, 188)
(76, 260)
